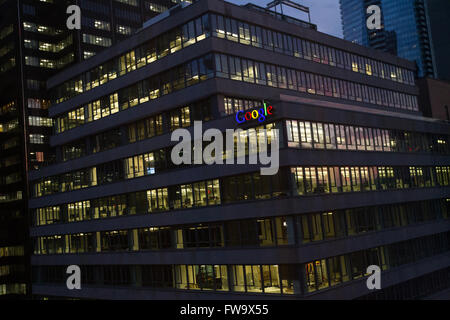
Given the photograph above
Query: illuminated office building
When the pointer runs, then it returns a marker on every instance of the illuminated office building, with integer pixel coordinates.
(34, 45)
(363, 178)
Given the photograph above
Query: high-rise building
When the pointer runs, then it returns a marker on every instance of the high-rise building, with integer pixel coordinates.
(406, 30)
(434, 98)
(438, 12)
(35, 44)
(363, 178)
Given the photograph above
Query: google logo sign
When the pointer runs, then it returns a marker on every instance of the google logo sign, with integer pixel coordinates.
(259, 114)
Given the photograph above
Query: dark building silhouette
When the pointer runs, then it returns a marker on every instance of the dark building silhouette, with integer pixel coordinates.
(35, 44)
(438, 12)
(363, 178)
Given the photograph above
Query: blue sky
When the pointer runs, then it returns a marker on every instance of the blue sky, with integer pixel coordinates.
(324, 13)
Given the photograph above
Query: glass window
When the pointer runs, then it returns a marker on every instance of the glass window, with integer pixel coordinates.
(271, 279)
(238, 278)
(253, 278)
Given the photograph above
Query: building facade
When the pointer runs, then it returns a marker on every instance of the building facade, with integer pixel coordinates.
(406, 30)
(434, 98)
(363, 177)
(34, 45)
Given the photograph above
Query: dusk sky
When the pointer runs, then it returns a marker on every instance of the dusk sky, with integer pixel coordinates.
(324, 13)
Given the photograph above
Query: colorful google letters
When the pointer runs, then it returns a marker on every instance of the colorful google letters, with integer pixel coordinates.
(259, 114)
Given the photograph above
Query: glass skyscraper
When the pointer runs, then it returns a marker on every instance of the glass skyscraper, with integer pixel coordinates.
(405, 27)
(438, 12)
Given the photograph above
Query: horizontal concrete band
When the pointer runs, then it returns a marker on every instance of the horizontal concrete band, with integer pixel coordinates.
(136, 293)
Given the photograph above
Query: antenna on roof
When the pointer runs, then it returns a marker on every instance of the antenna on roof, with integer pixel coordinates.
(288, 3)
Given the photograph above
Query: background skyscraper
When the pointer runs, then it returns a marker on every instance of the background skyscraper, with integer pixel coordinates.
(438, 13)
(414, 28)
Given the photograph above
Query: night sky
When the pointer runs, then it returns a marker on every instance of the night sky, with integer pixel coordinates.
(324, 13)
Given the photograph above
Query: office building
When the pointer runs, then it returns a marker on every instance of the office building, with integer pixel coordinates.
(35, 44)
(363, 178)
